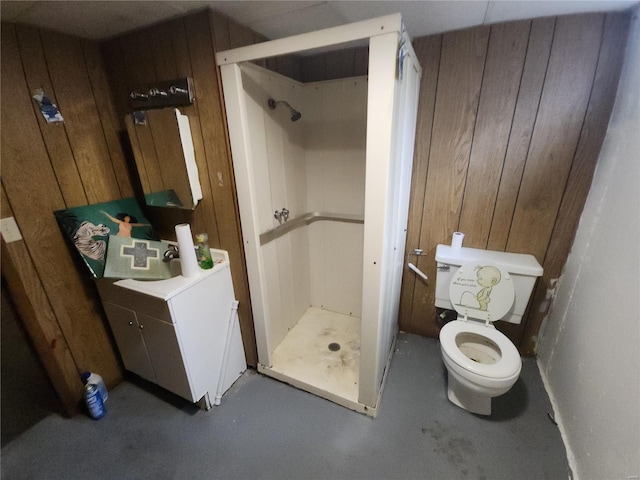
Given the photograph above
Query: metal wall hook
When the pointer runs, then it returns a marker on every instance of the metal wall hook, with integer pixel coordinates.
(163, 94)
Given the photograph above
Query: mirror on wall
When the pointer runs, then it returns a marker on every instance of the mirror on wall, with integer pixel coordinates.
(164, 156)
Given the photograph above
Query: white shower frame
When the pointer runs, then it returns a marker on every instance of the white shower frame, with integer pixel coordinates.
(391, 119)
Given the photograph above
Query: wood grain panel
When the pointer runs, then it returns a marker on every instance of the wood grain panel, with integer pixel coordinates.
(500, 84)
(428, 52)
(39, 321)
(23, 153)
(343, 63)
(162, 52)
(313, 68)
(206, 79)
(108, 117)
(220, 28)
(239, 35)
(148, 162)
(55, 134)
(582, 169)
(524, 118)
(177, 32)
(69, 77)
(116, 73)
(191, 43)
(459, 81)
(140, 67)
(340, 64)
(164, 130)
(562, 108)
(37, 317)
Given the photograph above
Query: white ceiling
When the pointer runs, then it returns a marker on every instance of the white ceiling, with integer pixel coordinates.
(276, 19)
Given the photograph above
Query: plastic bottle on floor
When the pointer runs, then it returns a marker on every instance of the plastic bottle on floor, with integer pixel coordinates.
(94, 378)
(94, 402)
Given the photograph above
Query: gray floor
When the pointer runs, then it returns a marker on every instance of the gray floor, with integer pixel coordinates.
(266, 429)
(27, 396)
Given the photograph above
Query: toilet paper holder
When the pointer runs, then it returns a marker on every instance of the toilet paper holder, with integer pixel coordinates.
(418, 252)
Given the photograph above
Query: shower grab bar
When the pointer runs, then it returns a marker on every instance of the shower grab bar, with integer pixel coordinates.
(307, 219)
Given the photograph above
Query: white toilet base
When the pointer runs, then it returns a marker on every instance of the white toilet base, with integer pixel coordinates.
(466, 398)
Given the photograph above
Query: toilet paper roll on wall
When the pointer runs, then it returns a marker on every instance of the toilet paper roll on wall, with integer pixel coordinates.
(188, 260)
(456, 240)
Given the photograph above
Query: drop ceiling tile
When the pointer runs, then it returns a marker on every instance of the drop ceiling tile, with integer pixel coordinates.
(420, 17)
(308, 19)
(246, 12)
(96, 20)
(9, 11)
(502, 11)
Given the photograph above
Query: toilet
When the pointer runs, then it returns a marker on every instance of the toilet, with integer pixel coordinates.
(483, 287)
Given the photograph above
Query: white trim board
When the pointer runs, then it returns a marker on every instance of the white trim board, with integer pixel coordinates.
(318, 39)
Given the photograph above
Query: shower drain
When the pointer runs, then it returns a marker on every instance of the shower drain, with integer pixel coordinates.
(334, 347)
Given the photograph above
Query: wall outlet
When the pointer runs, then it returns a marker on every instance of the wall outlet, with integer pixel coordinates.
(10, 230)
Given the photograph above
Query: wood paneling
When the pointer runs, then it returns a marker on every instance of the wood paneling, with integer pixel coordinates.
(186, 47)
(577, 187)
(70, 79)
(518, 122)
(45, 167)
(500, 85)
(461, 65)
(563, 103)
(511, 120)
(535, 67)
(428, 50)
(349, 62)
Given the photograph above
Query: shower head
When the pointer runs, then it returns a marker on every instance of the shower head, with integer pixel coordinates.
(295, 115)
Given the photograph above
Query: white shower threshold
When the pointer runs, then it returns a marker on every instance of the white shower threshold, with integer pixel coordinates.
(305, 360)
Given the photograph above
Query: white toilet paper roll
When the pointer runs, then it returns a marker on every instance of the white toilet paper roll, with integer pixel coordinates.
(188, 261)
(456, 240)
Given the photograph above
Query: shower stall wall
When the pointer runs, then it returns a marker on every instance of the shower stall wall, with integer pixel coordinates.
(323, 203)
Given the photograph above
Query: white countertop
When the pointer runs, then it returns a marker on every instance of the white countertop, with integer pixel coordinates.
(165, 289)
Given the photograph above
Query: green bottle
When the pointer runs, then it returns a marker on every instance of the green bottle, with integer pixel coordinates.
(202, 251)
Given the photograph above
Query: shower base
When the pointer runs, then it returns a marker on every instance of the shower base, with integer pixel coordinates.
(309, 359)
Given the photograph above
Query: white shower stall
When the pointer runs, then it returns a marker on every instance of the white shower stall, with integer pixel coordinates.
(323, 206)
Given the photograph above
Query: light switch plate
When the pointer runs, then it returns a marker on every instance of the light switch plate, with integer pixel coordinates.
(10, 230)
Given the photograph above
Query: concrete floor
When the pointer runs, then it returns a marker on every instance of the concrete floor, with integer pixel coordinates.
(265, 429)
(27, 396)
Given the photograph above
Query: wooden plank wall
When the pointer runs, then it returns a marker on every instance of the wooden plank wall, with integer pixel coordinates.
(47, 167)
(511, 121)
(185, 47)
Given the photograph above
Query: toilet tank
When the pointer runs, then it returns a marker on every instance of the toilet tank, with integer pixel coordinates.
(524, 270)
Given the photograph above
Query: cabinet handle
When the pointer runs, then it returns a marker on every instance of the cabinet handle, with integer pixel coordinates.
(141, 326)
(130, 322)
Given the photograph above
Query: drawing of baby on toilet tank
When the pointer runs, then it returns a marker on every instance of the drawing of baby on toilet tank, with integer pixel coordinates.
(487, 277)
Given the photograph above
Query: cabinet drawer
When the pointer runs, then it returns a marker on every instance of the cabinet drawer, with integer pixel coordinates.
(148, 305)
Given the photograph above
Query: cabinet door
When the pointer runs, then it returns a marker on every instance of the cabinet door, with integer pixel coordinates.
(165, 355)
(126, 331)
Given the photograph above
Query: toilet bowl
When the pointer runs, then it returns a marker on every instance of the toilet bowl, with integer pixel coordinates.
(481, 362)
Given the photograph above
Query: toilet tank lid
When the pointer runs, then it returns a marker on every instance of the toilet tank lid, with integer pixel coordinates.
(514, 263)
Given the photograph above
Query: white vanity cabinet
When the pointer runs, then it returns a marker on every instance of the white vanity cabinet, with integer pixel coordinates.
(181, 333)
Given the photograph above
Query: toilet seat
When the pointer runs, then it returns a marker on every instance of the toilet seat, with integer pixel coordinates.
(481, 294)
(509, 364)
